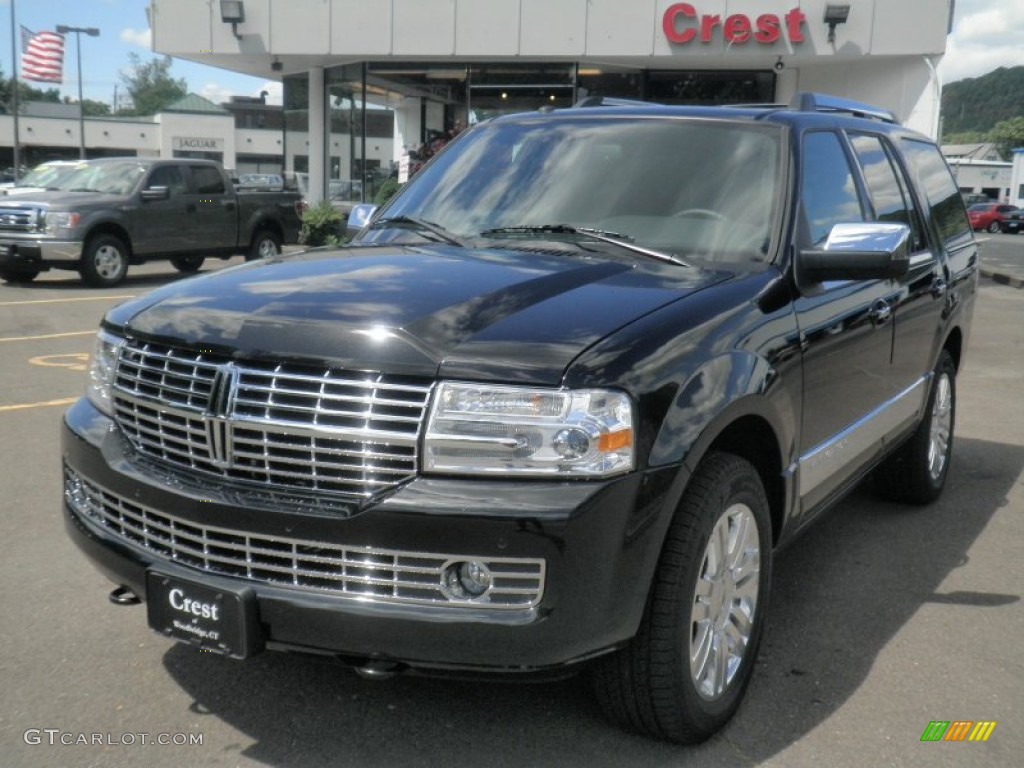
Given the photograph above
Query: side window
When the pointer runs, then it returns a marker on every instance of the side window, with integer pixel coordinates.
(207, 180)
(944, 200)
(828, 192)
(169, 176)
(889, 191)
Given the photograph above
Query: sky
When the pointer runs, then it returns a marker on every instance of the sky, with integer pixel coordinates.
(986, 34)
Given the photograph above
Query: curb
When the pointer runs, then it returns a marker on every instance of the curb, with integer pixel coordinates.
(1002, 278)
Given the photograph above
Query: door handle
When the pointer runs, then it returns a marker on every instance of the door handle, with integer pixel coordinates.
(228, 204)
(880, 312)
(190, 208)
(939, 287)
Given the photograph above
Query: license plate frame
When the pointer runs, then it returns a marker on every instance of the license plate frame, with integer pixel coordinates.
(216, 619)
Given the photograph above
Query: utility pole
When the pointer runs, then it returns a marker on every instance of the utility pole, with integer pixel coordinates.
(91, 32)
(15, 109)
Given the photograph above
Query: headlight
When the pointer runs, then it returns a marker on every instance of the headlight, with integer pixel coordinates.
(61, 220)
(102, 368)
(479, 429)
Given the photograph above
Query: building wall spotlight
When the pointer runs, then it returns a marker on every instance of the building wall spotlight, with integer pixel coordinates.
(834, 15)
(232, 12)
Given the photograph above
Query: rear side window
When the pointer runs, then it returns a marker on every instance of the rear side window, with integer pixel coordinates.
(889, 192)
(828, 192)
(944, 200)
(207, 180)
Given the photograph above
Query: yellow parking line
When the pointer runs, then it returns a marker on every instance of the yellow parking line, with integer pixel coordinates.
(46, 404)
(50, 336)
(62, 301)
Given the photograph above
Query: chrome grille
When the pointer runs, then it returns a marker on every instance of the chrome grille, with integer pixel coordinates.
(366, 573)
(18, 219)
(277, 425)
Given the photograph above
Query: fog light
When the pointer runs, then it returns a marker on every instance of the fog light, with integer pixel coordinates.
(75, 494)
(466, 580)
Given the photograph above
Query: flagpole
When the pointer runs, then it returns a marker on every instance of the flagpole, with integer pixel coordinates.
(14, 100)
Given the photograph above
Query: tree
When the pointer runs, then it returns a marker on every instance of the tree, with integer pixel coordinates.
(93, 108)
(151, 86)
(25, 93)
(1008, 135)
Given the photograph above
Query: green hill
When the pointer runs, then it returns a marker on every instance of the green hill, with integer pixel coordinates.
(978, 103)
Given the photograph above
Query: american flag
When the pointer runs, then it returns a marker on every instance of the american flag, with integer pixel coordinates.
(42, 56)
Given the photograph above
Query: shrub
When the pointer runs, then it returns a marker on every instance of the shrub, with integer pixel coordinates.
(386, 192)
(321, 225)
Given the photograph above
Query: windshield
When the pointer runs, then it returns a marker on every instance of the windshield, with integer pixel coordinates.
(702, 188)
(47, 176)
(118, 178)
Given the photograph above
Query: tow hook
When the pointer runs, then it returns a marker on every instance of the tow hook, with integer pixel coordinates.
(124, 596)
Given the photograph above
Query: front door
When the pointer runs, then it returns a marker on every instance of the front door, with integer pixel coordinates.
(160, 226)
(846, 334)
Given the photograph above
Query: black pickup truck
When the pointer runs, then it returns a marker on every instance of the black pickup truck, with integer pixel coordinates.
(555, 409)
(110, 213)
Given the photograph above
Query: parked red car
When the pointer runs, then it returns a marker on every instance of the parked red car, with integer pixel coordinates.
(988, 215)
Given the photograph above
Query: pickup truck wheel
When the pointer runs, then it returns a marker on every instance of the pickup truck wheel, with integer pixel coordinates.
(265, 245)
(682, 677)
(188, 264)
(916, 472)
(104, 261)
(18, 275)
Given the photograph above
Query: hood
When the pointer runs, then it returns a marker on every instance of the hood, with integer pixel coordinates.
(59, 199)
(488, 314)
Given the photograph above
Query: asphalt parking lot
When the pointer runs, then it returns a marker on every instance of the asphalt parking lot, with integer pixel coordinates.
(884, 617)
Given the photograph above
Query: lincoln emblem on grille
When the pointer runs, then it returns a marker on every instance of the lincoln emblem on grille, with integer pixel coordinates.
(218, 426)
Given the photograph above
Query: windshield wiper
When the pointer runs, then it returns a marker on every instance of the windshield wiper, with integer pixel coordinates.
(84, 189)
(615, 238)
(421, 225)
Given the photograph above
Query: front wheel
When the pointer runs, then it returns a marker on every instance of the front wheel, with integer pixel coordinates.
(916, 472)
(187, 264)
(684, 674)
(104, 261)
(265, 245)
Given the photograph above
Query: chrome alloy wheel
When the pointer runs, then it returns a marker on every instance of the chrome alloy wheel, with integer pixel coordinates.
(941, 427)
(109, 262)
(725, 601)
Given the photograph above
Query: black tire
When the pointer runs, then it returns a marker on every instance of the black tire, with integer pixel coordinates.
(649, 685)
(15, 276)
(188, 264)
(993, 227)
(916, 473)
(265, 243)
(104, 261)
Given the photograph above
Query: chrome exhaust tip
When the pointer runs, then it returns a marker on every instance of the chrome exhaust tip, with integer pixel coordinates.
(379, 670)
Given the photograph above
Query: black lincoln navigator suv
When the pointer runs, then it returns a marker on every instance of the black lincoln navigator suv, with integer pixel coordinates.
(553, 409)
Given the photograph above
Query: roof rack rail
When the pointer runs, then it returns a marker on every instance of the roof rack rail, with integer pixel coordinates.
(611, 101)
(823, 102)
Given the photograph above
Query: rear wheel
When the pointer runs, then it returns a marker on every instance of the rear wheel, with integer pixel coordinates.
(265, 245)
(993, 227)
(916, 472)
(11, 275)
(188, 264)
(104, 261)
(684, 674)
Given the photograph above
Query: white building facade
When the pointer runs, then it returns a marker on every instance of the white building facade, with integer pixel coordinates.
(432, 65)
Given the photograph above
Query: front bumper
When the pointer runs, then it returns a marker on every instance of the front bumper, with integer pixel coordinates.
(598, 542)
(38, 253)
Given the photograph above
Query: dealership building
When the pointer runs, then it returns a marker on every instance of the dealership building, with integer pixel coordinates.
(367, 82)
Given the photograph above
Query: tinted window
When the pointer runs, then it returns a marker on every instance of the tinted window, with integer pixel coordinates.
(828, 192)
(887, 188)
(947, 207)
(169, 176)
(207, 180)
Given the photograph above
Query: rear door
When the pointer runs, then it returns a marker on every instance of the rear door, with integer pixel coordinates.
(213, 210)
